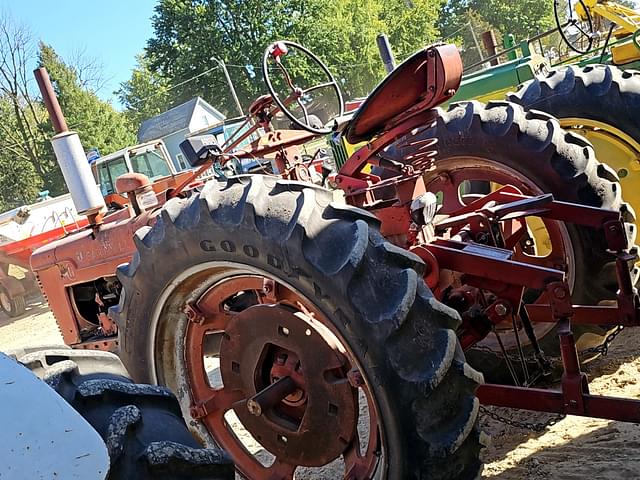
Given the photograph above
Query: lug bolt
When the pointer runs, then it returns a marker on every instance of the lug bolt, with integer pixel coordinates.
(501, 309)
(560, 292)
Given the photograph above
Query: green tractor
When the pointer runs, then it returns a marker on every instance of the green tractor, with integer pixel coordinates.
(595, 92)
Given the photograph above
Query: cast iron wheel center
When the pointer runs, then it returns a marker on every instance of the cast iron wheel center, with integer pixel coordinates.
(294, 382)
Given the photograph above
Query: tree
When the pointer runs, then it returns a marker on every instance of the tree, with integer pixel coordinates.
(189, 34)
(464, 28)
(24, 164)
(27, 162)
(98, 124)
(145, 94)
(523, 19)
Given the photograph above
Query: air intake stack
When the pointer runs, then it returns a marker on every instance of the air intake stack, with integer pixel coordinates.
(71, 157)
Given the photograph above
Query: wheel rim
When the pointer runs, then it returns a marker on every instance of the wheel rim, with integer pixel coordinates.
(5, 302)
(621, 151)
(551, 237)
(242, 373)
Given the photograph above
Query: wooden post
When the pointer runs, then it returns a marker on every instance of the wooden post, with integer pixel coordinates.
(490, 45)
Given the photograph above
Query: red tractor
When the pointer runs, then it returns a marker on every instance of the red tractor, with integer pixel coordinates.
(300, 331)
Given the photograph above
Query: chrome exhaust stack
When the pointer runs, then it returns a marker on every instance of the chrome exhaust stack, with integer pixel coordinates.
(86, 195)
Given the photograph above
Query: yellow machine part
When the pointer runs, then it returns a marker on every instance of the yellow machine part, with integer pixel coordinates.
(616, 149)
(625, 53)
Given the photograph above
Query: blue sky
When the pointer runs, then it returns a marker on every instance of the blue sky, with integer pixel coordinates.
(112, 31)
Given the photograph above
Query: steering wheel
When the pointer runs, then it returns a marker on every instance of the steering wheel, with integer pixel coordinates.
(274, 54)
(583, 27)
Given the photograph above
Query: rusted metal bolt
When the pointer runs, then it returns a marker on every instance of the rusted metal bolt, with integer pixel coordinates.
(254, 408)
(560, 292)
(355, 378)
(501, 309)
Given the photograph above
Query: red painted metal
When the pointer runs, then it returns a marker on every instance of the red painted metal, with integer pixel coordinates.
(50, 100)
(130, 182)
(81, 257)
(427, 79)
(547, 400)
(452, 252)
(281, 337)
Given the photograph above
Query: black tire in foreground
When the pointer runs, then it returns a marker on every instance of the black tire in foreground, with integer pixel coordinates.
(402, 339)
(530, 150)
(142, 425)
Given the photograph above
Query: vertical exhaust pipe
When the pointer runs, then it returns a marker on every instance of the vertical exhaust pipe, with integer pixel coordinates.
(71, 157)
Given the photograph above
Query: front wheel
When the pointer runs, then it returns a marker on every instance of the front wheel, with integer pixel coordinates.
(297, 338)
(12, 306)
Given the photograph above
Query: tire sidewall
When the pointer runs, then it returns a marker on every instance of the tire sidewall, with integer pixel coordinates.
(244, 246)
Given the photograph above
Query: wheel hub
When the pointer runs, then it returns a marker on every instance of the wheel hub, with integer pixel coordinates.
(294, 379)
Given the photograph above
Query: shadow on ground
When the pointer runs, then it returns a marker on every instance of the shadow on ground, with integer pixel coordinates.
(608, 452)
(35, 306)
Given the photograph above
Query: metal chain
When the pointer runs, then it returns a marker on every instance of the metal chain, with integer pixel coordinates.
(511, 356)
(531, 426)
(604, 348)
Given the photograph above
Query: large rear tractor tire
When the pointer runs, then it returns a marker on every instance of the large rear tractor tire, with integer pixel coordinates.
(601, 103)
(500, 143)
(259, 285)
(141, 425)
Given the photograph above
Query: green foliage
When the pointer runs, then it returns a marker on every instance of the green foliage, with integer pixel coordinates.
(19, 180)
(522, 19)
(27, 162)
(188, 33)
(97, 123)
(145, 94)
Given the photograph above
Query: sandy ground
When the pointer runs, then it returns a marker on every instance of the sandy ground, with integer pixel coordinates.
(574, 448)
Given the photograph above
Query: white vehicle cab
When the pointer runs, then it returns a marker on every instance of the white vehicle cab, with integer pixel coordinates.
(151, 159)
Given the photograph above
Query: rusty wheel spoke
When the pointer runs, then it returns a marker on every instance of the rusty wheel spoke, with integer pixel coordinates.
(289, 390)
(357, 465)
(220, 401)
(218, 321)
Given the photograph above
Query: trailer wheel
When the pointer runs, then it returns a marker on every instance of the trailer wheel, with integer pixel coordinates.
(142, 425)
(500, 143)
(288, 326)
(12, 306)
(601, 103)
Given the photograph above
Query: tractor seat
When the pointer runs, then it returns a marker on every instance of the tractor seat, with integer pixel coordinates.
(426, 79)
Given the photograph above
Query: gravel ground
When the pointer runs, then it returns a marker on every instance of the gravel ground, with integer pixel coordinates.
(574, 448)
